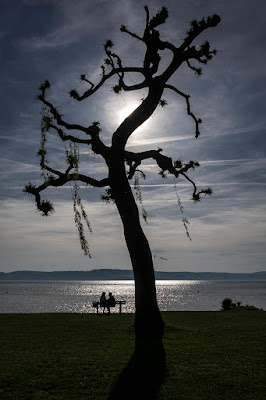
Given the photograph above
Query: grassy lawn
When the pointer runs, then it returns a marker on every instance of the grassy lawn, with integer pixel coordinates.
(209, 355)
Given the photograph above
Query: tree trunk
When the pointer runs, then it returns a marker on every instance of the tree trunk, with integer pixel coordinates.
(148, 320)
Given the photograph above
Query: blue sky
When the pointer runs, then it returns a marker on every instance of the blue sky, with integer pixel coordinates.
(61, 39)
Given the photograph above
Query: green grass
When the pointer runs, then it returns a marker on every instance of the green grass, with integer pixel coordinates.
(209, 355)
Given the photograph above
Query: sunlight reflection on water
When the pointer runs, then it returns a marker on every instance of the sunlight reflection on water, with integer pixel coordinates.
(77, 297)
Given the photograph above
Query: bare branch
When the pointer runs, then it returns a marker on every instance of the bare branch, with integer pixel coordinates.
(197, 71)
(203, 54)
(147, 16)
(143, 155)
(61, 122)
(97, 146)
(123, 28)
(45, 206)
(138, 86)
(158, 19)
(187, 97)
(197, 27)
(169, 46)
(165, 163)
(71, 138)
(115, 71)
(83, 78)
(93, 130)
(88, 180)
(111, 57)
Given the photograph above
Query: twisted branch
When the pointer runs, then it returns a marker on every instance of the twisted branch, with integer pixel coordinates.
(46, 207)
(73, 93)
(166, 164)
(189, 112)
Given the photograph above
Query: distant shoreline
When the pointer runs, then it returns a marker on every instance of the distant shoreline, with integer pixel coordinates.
(120, 274)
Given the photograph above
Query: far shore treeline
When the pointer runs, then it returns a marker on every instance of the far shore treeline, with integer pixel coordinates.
(123, 274)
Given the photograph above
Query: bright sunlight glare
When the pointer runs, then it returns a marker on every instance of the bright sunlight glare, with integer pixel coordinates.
(126, 111)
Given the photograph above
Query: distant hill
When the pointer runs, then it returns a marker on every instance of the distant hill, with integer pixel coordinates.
(121, 274)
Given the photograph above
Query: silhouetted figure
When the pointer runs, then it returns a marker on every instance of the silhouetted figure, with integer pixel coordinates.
(110, 302)
(103, 301)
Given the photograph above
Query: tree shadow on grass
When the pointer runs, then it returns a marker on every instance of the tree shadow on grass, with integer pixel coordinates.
(144, 374)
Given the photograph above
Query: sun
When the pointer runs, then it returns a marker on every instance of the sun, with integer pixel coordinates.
(126, 111)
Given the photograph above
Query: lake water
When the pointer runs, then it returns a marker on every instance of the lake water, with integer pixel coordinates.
(77, 297)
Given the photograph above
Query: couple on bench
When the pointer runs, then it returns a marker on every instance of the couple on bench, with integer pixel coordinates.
(110, 302)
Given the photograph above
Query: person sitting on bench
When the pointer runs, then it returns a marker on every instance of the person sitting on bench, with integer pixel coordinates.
(110, 302)
(103, 301)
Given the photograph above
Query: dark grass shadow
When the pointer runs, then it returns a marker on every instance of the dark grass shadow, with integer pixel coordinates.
(144, 374)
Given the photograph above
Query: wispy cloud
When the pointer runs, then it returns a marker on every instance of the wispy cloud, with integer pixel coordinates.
(78, 19)
(227, 228)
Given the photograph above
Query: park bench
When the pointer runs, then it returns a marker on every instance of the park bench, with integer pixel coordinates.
(96, 304)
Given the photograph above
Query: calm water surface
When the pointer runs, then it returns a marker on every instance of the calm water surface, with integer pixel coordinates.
(77, 297)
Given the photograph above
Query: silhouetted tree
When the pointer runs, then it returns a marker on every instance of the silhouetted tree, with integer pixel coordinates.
(122, 164)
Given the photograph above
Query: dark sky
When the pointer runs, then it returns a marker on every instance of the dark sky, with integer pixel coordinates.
(61, 39)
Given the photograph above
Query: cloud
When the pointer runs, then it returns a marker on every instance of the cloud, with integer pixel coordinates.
(26, 237)
(75, 20)
(63, 39)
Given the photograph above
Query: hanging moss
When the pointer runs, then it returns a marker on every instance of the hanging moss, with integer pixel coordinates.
(144, 213)
(181, 208)
(80, 215)
(46, 121)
